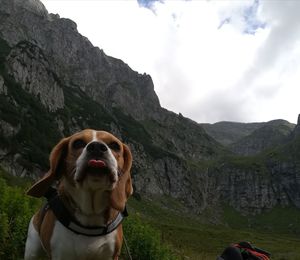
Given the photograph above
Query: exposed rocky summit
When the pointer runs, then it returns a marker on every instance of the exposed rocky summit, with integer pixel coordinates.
(54, 82)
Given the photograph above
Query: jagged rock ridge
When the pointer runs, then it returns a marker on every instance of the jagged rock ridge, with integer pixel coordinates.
(53, 82)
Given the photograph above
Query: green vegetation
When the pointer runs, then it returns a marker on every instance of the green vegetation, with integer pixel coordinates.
(194, 238)
(252, 164)
(15, 213)
(279, 220)
(16, 209)
(144, 241)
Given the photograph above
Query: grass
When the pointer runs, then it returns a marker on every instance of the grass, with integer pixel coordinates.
(191, 237)
(16, 209)
(158, 224)
(15, 181)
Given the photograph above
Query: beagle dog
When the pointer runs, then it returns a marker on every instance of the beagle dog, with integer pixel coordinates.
(82, 219)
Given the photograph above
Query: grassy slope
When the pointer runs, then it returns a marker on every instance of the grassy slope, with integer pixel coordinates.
(16, 209)
(190, 236)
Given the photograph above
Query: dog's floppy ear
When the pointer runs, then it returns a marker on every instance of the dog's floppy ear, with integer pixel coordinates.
(123, 189)
(57, 157)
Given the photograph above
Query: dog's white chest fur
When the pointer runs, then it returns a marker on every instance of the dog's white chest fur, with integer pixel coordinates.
(67, 245)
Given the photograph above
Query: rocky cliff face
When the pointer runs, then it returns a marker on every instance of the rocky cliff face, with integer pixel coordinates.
(54, 82)
(266, 172)
(256, 186)
(28, 66)
(75, 61)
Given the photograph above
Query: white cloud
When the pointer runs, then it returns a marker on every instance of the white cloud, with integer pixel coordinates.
(209, 60)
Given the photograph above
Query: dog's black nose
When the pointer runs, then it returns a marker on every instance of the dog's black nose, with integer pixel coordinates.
(96, 148)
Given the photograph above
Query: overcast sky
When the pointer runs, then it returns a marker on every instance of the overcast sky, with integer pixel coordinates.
(209, 60)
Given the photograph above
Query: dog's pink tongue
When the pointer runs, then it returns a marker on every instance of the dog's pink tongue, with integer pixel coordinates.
(96, 163)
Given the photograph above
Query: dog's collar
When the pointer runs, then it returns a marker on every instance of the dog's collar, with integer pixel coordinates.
(64, 217)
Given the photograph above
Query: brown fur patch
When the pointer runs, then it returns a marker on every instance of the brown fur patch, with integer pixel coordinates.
(46, 230)
(119, 241)
(37, 220)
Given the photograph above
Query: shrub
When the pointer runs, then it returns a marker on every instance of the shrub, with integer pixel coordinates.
(16, 209)
(15, 213)
(144, 242)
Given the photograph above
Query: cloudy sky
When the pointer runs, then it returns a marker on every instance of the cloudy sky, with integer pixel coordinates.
(209, 60)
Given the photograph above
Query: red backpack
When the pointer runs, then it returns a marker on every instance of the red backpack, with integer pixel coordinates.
(244, 251)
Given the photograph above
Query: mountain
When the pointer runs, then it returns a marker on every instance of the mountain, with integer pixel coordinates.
(230, 132)
(271, 134)
(54, 82)
(250, 138)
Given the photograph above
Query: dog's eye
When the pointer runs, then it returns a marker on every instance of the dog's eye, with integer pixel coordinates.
(78, 144)
(115, 146)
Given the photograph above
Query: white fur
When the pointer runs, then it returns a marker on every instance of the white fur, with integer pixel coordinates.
(33, 248)
(67, 245)
(90, 203)
(95, 136)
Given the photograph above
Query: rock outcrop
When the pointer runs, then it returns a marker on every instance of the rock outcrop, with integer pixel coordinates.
(54, 82)
(29, 68)
(297, 128)
(75, 60)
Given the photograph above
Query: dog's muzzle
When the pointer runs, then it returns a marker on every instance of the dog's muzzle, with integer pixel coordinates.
(98, 161)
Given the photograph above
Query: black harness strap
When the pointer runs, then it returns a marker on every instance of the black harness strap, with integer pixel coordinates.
(64, 217)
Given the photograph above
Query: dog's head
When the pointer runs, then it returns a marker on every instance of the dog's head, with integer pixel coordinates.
(93, 160)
